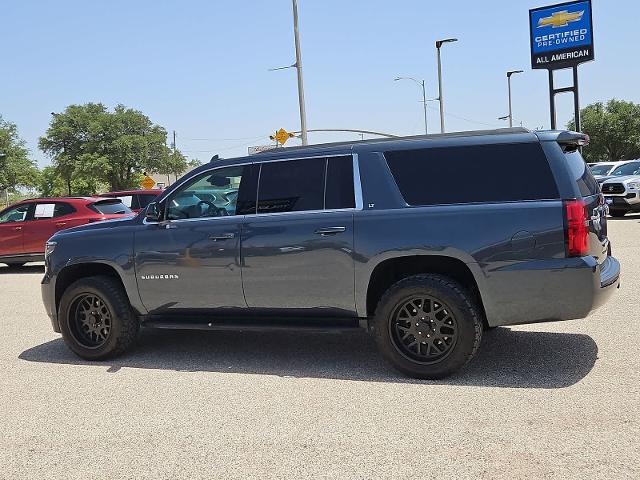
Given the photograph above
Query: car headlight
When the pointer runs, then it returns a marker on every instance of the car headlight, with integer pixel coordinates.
(633, 185)
(49, 248)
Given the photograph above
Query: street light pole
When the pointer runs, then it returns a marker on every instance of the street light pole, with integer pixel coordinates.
(440, 94)
(303, 115)
(424, 99)
(512, 72)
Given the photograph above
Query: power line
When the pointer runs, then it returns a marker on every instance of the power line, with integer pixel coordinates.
(459, 117)
(223, 139)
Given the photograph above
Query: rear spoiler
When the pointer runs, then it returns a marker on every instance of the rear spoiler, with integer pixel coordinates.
(571, 141)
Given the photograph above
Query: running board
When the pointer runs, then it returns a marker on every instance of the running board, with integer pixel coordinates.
(318, 325)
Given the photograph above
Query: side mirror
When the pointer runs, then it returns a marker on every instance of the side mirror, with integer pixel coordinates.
(152, 213)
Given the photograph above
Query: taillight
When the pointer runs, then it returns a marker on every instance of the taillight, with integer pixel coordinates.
(577, 228)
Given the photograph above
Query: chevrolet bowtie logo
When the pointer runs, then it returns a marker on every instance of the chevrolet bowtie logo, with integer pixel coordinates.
(560, 19)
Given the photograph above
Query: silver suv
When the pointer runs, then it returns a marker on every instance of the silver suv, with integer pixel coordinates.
(622, 189)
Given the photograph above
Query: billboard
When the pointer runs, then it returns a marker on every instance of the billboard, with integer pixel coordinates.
(561, 35)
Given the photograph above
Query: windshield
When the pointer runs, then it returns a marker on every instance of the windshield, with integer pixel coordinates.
(600, 169)
(627, 169)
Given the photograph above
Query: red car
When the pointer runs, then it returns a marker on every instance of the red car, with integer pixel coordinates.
(26, 226)
(136, 200)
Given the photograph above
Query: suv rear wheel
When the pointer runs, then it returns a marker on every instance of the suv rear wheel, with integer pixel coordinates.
(96, 319)
(427, 326)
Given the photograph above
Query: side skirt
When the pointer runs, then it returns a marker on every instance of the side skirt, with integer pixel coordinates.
(187, 322)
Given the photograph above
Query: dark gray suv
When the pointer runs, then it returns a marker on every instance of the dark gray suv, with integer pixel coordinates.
(423, 241)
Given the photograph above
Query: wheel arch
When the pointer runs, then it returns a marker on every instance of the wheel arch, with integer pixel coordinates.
(71, 273)
(392, 270)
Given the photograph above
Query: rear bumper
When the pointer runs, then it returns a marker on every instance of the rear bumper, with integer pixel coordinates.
(606, 281)
(548, 291)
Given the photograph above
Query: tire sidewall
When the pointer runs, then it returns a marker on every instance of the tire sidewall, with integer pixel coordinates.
(118, 316)
(468, 326)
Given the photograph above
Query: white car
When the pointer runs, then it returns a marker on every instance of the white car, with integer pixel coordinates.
(621, 189)
(602, 169)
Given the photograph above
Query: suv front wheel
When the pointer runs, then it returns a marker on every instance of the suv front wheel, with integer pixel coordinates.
(427, 326)
(96, 319)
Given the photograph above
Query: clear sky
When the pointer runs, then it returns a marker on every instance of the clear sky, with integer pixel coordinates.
(201, 67)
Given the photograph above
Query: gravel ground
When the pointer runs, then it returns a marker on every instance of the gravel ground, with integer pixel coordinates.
(558, 400)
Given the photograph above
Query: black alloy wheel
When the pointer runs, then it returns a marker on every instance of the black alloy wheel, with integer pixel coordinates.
(90, 320)
(423, 329)
(427, 325)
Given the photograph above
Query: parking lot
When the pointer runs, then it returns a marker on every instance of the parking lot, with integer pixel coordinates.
(551, 400)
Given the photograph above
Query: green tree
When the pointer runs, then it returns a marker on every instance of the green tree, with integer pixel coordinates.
(176, 164)
(16, 169)
(614, 131)
(52, 184)
(114, 148)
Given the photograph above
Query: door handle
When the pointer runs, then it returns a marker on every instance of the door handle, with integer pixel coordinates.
(61, 224)
(222, 236)
(330, 230)
(17, 229)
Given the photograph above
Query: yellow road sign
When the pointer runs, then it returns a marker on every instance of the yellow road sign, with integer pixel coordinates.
(148, 183)
(282, 136)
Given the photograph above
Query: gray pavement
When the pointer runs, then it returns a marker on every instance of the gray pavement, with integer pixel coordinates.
(557, 400)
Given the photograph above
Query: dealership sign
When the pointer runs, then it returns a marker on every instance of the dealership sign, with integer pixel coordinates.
(561, 35)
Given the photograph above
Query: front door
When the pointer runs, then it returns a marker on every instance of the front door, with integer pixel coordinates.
(190, 261)
(297, 251)
(12, 222)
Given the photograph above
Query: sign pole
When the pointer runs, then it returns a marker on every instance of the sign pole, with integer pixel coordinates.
(561, 37)
(576, 99)
(552, 101)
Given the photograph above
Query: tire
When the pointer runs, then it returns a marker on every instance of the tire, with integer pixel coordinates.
(96, 319)
(617, 213)
(15, 265)
(448, 310)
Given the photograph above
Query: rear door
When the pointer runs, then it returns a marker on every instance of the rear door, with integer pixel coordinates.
(297, 250)
(12, 222)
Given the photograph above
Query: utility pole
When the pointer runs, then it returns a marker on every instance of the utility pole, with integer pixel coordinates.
(439, 44)
(6, 188)
(303, 115)
(175, 174)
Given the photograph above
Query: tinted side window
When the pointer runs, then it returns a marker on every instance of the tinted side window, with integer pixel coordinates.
(109, 207)
(483, 173)
(144, 200)
(246, 195)
(291, 186)
(581, 174)
(339, 189)
(62, 209)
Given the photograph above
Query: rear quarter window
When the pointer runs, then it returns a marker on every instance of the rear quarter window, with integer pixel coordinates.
(109, 207)
(581, 174)
(472, 174)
